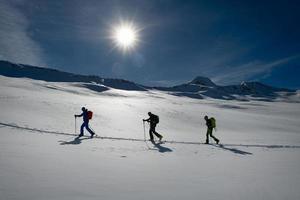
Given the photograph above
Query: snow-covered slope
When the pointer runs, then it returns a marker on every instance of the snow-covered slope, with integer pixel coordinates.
(41, 158)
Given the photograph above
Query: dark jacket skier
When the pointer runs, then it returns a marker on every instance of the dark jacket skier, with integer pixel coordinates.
(210, 126)
(153, 120)
(85, 123)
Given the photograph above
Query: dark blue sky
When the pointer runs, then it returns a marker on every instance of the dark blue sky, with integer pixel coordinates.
(227, 41)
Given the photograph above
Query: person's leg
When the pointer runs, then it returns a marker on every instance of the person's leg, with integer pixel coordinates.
(81, 129)
(207, 135)
(156, 133)
(88, 128)
(211, 135)
(150, 132)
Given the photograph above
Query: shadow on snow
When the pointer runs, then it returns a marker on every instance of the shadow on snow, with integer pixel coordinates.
(233, 150)
(76, 140)
(160, 148)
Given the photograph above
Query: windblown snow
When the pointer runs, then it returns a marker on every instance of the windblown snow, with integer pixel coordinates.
(41, 158)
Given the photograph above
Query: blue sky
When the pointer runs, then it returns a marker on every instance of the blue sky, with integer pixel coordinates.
(227, 41)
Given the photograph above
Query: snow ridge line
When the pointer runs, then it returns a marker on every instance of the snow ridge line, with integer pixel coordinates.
(142, 140)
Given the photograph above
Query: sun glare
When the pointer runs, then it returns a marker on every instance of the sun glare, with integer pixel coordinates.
(125, 36)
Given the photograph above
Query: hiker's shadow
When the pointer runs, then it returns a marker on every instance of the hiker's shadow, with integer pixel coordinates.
(76, 140)
(160, 148)
(234, 150)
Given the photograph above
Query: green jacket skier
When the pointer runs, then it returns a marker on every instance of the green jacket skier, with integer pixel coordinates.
(210, 123)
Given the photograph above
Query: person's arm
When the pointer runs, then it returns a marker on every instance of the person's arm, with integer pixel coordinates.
(79, 115)
(146, 120)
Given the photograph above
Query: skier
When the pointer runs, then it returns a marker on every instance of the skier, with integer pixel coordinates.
(210, 123)
(85, 123)
(153, 120)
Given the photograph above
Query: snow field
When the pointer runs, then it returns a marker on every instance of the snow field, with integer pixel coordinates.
(259, 159)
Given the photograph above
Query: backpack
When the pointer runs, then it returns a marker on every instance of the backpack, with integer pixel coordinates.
(90, 114)
(213, 122)
(155, 119)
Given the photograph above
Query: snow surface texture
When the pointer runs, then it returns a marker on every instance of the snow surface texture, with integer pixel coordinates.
(41, 158)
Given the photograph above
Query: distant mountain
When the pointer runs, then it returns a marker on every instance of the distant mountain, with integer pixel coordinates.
(202, 81)
(51, 75)
(200, 87)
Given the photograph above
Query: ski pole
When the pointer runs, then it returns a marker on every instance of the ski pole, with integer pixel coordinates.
(144, 131)
(145, 135)
(75, 123)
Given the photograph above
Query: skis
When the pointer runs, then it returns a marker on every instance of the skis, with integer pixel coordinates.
(158, 141)
(91, 136)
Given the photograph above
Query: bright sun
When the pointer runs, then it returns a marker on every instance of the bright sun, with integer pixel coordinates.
(125, 36)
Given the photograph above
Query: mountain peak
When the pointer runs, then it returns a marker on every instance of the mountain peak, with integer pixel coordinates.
(201, 80)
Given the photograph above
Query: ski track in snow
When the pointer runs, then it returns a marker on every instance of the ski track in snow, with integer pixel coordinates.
(163, 141)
